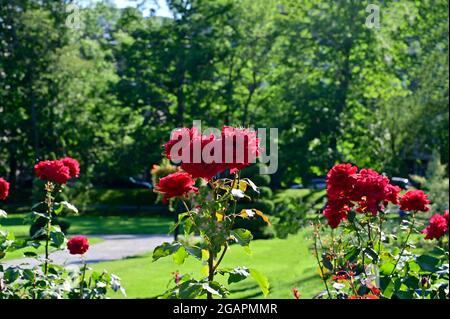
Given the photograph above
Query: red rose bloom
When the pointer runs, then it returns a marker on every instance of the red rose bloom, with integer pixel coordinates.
(336, 211)
(78, 245)
(73, 165)
(369, 190)
(415, 200)
(446, 215)
(4, 189)
(391, 193)
(340, 180)
(240, 148)
(52, 171)
(184, 134)
(176, 185)
(437, 227)
(199, 166)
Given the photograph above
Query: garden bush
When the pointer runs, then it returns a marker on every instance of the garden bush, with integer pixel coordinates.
(211, 211)
(47, 280)
(359, 258)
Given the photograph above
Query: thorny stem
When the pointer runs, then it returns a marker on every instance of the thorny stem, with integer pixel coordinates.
(49, 200)
(316, 253)
(404, 243)
(359, 244)
(211, 271)
(221, 257)
(380, 234)
(82, 278)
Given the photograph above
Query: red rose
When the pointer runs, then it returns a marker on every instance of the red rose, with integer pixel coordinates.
(414, 200)
(241, 147)
(340, 180)
(4, 189)
(391, 193)
(437, 227)
(369, 190)
(53, 171)
(238, 148)
(336, 211)
(176, 185)
(73, 165)
(78, 245)
(184, 134)
(201, 166)
(446, 215)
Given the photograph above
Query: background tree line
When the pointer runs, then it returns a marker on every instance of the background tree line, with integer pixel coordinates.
(110, 92)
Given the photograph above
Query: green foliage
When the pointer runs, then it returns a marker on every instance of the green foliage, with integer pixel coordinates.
(436, 183)
(110, 93)
(216, 223)
(47, 280)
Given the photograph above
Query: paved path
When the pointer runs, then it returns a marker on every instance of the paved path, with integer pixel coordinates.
(113, 247)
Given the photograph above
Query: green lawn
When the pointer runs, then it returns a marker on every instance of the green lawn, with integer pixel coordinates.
(86, 225)
(287, 263)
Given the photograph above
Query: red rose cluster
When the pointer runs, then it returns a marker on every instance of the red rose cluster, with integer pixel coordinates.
(438, 226)
(368, 190)
(4, 189)
(176, 185)
(235, 149)
(78, 245)
(58, 171)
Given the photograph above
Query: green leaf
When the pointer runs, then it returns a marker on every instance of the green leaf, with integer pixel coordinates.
(235, 275)
(371, 254)
(210, 289)
(194, 251)
(351, 216)
(11, 275)
(411, 282)
(3, 214)
(261, 280)
(238, 274)
(189, 289)
(252, 185)
(387, 268)
(352, 254)
(165, 250)
(242, 236)
(70, 207)
(387, 286)
(30, 254)
(427, 263)
(42, 215)
(327, 264)
(57, 238)
(180, 256)
(39, 233)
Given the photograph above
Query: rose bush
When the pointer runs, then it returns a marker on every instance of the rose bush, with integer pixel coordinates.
(210, 208)
(359, 256)
(47, 280)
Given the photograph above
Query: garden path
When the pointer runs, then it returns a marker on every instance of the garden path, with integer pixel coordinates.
(113, 247)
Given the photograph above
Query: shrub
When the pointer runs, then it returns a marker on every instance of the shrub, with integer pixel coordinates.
(360, 258)
(46, 280)
(211, 211)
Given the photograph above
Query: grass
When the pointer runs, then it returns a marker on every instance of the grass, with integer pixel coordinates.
(40, 250)
(287, 263)
(87, 225)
